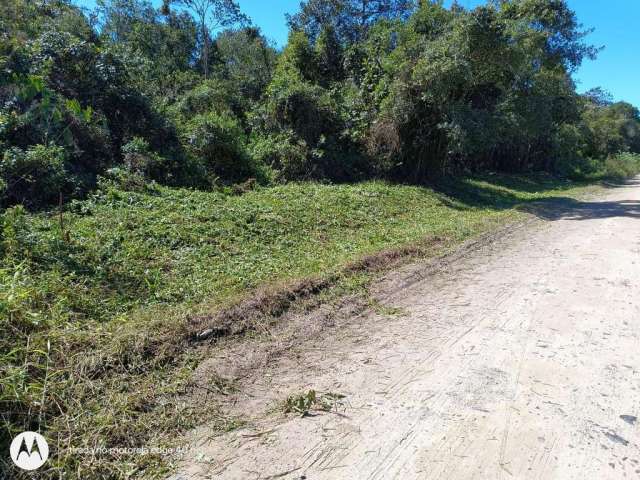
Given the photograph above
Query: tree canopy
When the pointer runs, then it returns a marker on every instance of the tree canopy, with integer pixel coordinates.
(192, 95)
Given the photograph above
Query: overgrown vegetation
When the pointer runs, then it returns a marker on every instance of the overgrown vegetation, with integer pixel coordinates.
(193, 95)
(101, 310)
(158, 164)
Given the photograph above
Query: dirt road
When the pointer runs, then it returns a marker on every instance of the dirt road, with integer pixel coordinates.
(519, 361)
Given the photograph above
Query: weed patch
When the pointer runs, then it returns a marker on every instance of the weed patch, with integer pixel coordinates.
(304, 403)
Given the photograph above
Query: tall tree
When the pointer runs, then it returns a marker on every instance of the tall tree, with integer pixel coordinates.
(247, 60)
(118, 18)
(211, 15)
(329, 55)
(167, 42)
(351, 19)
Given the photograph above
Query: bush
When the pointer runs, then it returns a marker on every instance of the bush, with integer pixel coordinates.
(579, 168)
(285, 154)
(298, 127)
(622, 166)
(218, 141)
(140, 160)
(32, 177)
(14, 236)
(123, 179)
(306, 109)
(210, 95)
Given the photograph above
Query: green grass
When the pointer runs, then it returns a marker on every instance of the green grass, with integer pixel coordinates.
(98, 347)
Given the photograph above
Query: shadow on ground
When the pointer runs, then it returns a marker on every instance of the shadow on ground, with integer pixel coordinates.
(499, 194)
(564, 208)
(571, 209)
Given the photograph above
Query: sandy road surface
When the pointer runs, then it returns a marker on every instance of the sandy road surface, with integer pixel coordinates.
(520, 361)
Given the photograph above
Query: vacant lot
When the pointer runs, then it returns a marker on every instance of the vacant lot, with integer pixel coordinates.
(103, 306)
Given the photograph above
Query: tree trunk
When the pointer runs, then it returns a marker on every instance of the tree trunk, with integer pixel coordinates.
(205, 50)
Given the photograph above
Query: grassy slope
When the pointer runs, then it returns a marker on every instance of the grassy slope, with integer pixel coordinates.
(112, 300)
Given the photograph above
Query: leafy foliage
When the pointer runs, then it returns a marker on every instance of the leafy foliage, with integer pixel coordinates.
(303, 403)
(350, 19)
(33, 177)
(218, 141)
(246, 63)
(190, 95)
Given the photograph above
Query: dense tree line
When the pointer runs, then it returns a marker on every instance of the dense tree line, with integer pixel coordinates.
(191, 94)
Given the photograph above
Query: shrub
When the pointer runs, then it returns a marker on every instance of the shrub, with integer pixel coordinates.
(287, 155)
(306, 109)
(122, 179)
(579, 168)
(218, 141)
(209, 95)
(14, 235)
(621, 166)
(140, 160)
(32, 177)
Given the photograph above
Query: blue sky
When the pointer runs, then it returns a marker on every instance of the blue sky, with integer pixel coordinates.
(617, 68)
